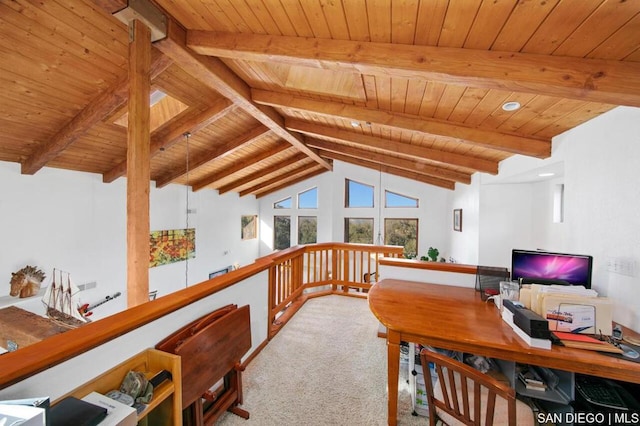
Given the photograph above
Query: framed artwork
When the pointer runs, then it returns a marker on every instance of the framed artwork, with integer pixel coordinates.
(172, 245)
(457, 220)
(249, 227)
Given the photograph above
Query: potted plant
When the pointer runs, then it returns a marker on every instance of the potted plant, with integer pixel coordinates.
(432, 255)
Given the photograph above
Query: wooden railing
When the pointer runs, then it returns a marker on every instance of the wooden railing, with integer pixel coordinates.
(293, 275)
(32, 359)
(319, 269)
(459, 268)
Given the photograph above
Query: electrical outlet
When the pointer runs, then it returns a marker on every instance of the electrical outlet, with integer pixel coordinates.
(622, 265)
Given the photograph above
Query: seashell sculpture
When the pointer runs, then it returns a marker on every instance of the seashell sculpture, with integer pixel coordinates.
(26, 282)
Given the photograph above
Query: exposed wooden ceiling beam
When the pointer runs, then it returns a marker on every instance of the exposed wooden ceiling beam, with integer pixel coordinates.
(283, 181)
(398, 163)
(261, 174)
(596, 80)
(485, 138)
(191, 121)
(101, 106)
(238, 166)
(393, 146)
(308, 175)
(443, 183)
(111, 6)
(228, 148)
(214, 73)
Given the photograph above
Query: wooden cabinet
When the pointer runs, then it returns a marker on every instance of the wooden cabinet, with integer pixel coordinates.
(166, 406)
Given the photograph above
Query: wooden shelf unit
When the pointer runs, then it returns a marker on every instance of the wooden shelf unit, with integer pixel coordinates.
(166, 406)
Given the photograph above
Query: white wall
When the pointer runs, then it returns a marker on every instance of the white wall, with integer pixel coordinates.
(601, 159)
(506, 215)
(331, 211)
(75, 222)
(464, 244)
(602, 200)
(218, 233)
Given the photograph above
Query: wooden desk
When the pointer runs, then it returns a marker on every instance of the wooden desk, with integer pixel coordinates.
(455, 318)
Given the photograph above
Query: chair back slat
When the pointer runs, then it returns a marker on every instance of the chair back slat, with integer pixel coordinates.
(454, 391)
(453, 378)
(491, 406)
(477, 401)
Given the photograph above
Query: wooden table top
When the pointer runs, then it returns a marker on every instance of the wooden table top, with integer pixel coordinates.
(456, 318)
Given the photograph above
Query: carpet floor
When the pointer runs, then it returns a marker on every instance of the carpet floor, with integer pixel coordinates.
(325, 367)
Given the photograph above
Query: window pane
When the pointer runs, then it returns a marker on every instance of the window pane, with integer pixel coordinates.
(308, 199)
(391, 199)
(281, 232)
(358, 194)
(402, 232)
(307, 229)
(283, 204)
(358, 231)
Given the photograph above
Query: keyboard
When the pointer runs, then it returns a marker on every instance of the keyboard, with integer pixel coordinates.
(600, 392)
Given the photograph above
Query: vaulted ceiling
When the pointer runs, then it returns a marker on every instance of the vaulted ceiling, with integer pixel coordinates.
(270, 92)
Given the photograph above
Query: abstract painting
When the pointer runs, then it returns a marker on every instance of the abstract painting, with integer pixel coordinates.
(173, 245)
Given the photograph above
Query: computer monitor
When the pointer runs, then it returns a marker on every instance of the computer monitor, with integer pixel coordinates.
(533, 266)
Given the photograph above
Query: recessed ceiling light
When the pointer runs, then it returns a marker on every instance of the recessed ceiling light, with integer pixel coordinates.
(355, 124)
(546, 174)
(511, 106)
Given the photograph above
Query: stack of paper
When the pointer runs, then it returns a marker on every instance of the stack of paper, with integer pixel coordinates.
(572, 309)
(581, 341)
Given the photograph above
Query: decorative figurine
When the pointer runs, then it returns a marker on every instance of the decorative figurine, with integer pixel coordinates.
(26, 282)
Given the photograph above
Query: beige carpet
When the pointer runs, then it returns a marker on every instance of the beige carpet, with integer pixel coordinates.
(325, 367)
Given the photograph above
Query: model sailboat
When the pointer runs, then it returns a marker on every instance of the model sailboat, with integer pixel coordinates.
(61, 300)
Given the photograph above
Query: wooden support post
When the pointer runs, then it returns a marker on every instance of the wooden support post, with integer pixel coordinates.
(138, 166)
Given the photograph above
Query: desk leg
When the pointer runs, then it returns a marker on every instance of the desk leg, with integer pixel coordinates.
(393, 369)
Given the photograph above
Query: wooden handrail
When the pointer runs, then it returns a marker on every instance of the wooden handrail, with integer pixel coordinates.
(343, 264)
(434, 266)
(35, 358)
(15, 366)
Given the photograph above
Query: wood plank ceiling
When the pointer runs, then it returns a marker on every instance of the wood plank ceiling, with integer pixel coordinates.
(272, 91)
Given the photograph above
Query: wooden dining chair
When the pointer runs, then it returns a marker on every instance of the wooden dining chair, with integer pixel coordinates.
(462, 395)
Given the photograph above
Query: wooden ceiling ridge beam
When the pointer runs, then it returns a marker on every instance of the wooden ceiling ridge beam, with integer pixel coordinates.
(228, 148)
(190, 121)
(315, 171)
(109, 100)
(393, 146)
(238, 166)
(399, 163)
(214, 73)
(596, 80)
(443, 183)
(514, 144)
(281, 181)
(260, 174)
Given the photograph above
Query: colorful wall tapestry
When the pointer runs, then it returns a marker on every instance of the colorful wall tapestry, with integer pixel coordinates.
(173, 245)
